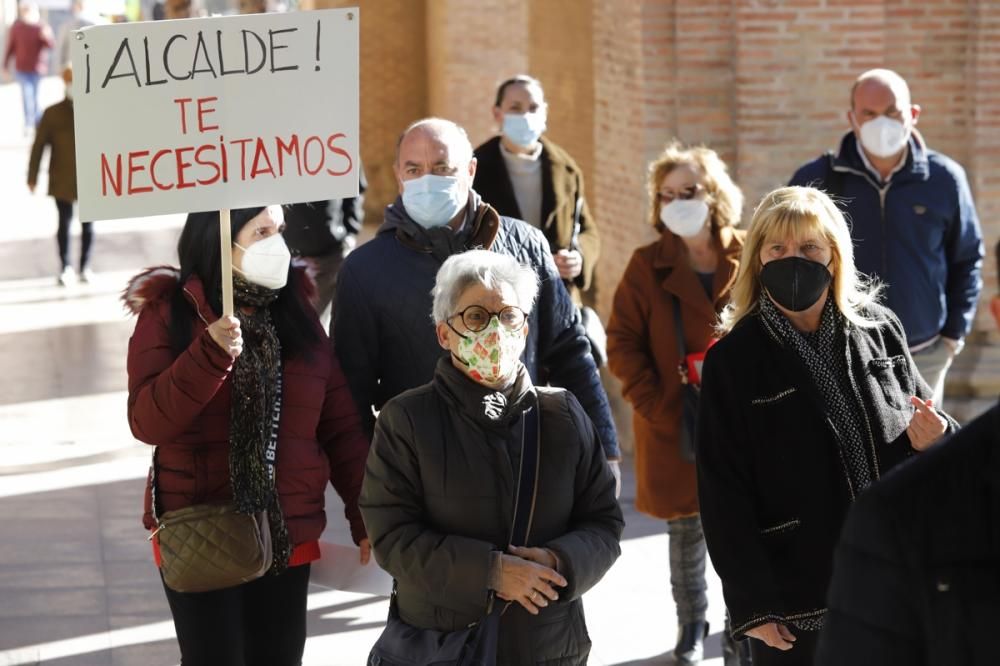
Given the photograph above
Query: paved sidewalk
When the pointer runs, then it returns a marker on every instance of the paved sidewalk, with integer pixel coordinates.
(77, 584)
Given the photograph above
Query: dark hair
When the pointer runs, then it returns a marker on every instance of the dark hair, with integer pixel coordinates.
(520, 78)
(200, 253)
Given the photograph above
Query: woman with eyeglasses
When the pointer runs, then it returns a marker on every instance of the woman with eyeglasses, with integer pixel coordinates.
(679, 282)
(440, 482)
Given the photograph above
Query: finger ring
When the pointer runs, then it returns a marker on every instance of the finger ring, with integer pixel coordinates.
(534, 595)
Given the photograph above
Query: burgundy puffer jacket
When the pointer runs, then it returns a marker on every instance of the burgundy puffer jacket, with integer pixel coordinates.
(181, 404)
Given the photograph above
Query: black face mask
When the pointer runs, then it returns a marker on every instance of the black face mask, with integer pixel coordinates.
(795, 283)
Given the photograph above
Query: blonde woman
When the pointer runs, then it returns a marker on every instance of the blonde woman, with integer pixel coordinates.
(694, 205)
(810, 396)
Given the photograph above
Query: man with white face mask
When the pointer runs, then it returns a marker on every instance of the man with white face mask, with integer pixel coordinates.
(914, 222)
(525, 175)
(383, 337)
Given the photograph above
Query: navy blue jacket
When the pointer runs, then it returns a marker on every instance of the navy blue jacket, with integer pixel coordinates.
(918, 233)
(384, 335)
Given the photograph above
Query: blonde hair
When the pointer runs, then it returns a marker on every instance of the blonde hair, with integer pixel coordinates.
(725, 199)
(798, 213)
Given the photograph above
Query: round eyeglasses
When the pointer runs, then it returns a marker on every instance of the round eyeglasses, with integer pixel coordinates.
(476, 318)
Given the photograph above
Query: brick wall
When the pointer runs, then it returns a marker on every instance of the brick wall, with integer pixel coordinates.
(764, 82)
(394, 85)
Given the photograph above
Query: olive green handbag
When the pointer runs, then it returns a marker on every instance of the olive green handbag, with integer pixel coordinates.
(207, 547)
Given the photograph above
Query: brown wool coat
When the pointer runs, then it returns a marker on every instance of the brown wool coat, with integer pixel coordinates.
(642, 353)
(55, 130)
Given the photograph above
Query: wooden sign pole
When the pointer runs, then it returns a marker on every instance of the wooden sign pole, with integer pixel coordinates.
(226, 246)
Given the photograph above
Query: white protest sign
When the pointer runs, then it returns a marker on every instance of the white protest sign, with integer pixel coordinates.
(216, 113)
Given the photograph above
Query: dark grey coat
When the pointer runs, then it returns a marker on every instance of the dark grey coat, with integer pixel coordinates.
(917, 573)
(438, 498)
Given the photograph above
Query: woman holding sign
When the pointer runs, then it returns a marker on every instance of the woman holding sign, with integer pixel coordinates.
(678, 283)
(251, 417)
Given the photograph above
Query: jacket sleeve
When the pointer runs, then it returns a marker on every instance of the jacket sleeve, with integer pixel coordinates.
(439, 565)
(166, 394)
(629, 352)
(726, 498)
(923, 390)
(811, 174)
(591, 545)
(346, 446)
(355, 342)
(872, 618)
(564, 351)
(964, 253)
(11, 44)
(589, 240)
(42, 139)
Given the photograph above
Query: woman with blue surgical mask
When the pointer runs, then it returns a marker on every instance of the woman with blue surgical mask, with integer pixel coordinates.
(525, 175)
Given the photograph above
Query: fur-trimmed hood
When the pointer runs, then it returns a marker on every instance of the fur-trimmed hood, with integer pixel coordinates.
(159, 282)
(150, 285)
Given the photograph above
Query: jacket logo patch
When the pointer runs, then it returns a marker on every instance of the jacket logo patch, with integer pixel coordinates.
(494, 404)
(773, 398)
(919, 210)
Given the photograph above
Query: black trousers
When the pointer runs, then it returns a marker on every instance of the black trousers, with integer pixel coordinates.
(802, 654)
(65, 209)
(260, 623)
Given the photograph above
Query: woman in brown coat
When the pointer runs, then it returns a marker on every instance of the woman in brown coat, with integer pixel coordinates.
(694, 205)
(55, 131)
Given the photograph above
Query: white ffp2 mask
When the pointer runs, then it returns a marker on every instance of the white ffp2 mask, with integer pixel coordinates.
(266, 262)
(685, 217)
(884, 137)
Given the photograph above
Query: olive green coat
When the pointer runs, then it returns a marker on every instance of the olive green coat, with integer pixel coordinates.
(55, 130)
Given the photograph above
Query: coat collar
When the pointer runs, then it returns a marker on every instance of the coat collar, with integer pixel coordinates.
(485, 406)
(917, 166)
(681, 280)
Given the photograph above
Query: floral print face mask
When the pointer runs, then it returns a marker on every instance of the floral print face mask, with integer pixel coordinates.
(490, 356)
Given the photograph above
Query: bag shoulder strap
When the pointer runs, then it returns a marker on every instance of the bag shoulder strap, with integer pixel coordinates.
(527, 493)
(679, 334)
(527, 481)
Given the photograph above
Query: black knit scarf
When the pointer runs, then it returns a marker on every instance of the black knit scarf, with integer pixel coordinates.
(256, 388)
(824, 353)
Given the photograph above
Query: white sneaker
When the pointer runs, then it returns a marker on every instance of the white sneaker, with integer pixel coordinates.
(86, 276)
(66, 278)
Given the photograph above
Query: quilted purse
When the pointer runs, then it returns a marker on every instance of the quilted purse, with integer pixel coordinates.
(206, 547)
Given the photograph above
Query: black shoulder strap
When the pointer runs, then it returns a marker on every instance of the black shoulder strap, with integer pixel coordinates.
(679, 334)
(524, 507)
(527, 482)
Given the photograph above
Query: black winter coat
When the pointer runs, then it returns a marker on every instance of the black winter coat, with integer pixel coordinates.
(438, 499)
(916, 576)
(772, 484)
(385, 338)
